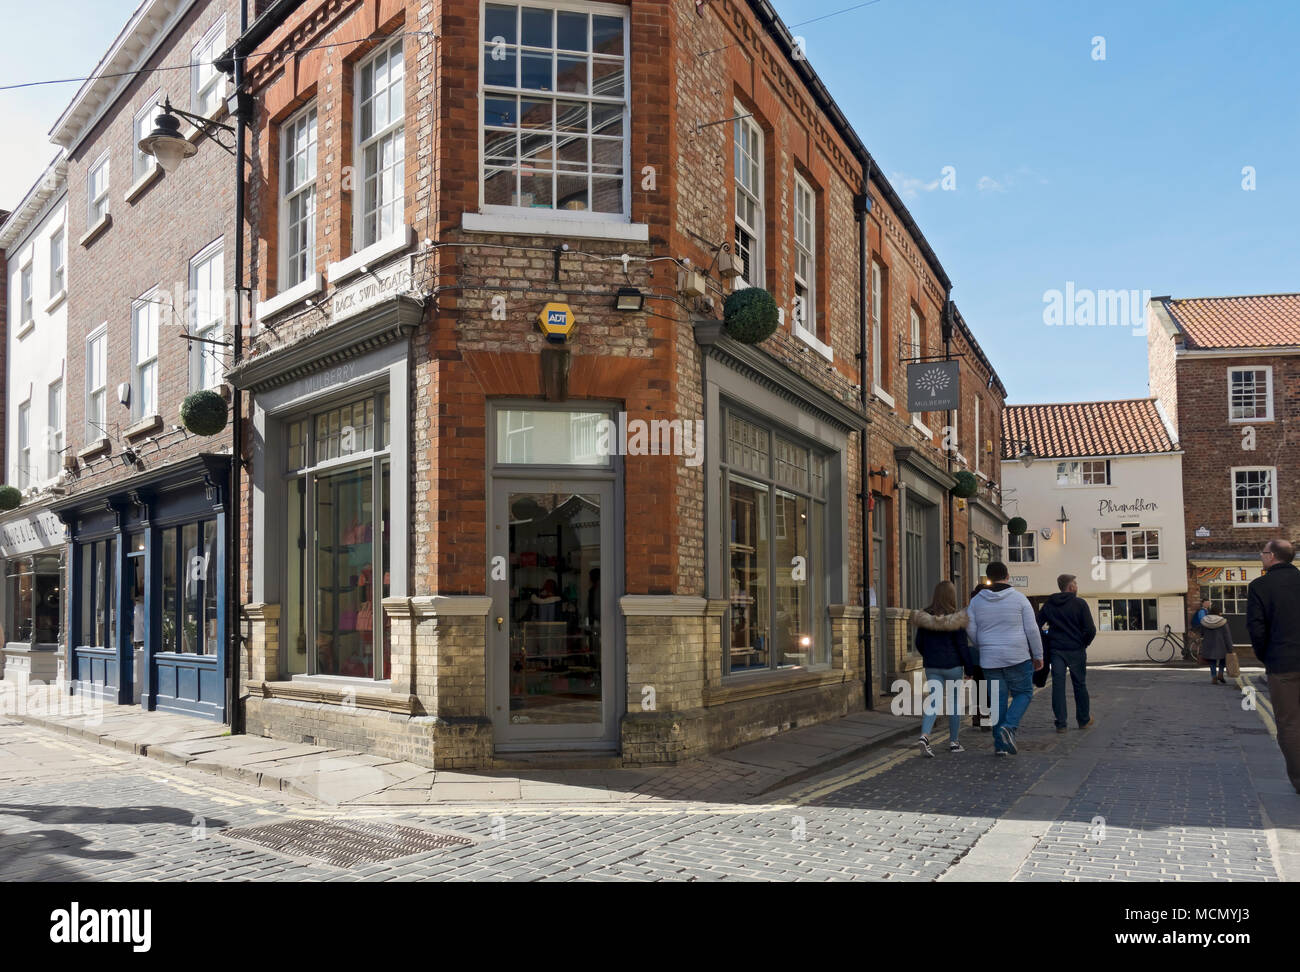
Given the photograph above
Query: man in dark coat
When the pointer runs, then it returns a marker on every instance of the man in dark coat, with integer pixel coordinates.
(1273, 620)
(1069, 631)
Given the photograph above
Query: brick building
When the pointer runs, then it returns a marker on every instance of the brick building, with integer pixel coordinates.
(34, 239)
(1228, 370)
(148, 273)
(467, 541)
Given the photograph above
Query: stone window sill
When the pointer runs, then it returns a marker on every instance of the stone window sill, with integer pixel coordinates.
(57, 299)
(814, 342)
(93, 450)
(532, 224)
(104, 223)
(143, 183)
(25, 328)
(150, 423)
(883, 395)
(287, 298)
(396, 243)
(738, 687)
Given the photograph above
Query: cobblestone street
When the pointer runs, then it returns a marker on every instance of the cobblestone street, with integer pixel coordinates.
(1177, 781)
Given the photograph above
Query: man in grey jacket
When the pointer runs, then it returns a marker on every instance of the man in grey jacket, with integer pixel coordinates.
(1005, 632)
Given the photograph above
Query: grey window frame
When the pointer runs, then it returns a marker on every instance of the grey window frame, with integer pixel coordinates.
(819, 547)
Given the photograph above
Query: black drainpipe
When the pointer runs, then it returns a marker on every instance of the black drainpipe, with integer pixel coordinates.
(234, 622)
(862, 206)
(947, 356)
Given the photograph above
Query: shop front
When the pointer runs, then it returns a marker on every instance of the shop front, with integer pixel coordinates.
(146, 621)
(1225, 582)
(33, 547)
(330, 523)
(986, 526)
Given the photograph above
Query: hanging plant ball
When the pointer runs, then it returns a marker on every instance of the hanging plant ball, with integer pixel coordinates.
(967, 485)
(204, 413)
(750, 315)
(1017, 526)
(10, 498)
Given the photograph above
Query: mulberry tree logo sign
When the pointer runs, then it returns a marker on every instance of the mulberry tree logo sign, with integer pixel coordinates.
(932, 386)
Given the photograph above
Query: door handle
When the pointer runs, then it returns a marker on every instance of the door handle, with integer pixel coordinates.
(500, 621)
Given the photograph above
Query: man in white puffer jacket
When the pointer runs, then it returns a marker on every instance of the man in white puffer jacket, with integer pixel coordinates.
(1004, 631)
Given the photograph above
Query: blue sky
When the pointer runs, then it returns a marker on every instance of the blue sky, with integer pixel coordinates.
(1116, 174)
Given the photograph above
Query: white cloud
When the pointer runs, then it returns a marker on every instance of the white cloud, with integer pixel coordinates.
(909, 186)
(989, 184)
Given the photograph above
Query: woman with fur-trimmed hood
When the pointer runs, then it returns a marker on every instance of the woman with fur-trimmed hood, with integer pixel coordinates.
(1216, 642)
(946, 652)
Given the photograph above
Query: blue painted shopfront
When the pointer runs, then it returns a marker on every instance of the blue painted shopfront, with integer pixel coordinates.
(147, 607)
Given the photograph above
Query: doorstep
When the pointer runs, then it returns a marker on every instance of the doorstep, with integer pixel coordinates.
(342, 778)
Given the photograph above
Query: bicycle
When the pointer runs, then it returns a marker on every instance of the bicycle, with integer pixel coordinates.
(1162, 649)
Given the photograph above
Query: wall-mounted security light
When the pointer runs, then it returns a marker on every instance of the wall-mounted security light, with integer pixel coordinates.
(629, 299)
(124, 393)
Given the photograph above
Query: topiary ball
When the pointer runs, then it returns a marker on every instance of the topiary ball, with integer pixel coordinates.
(10, 498)
(204, 413)
(750, 315)
(967, 485)
(1017, 526)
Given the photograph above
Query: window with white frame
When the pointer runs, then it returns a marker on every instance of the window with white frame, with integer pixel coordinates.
(1250, 394)
(24, 469)
(1254, 492)
(144, 355)
(381, 144)
(1127, 614)
(142, 164)
(97, 384)
(1128, 545)
(58, 276)
(207, 84)
(207, 323)
(54, 427)
(805, 255)
(298, 198)
(555, 109)
(916, 334)
(1085, 472)
(97, 190)
(25, 308)
(1020, 548)
(750, 221)
(877, 338)
(979, 443)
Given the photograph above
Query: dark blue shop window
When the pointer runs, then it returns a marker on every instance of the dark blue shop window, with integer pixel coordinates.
(189, 588)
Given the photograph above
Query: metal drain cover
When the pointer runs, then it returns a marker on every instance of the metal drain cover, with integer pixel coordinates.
(346, 843)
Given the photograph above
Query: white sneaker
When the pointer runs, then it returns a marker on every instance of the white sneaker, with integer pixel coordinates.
(956, 747)
(925, 747)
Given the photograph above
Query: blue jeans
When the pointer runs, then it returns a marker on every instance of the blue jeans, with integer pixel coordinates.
(1016, 684)
(1074, 661)
(947, 683)
(1218, 667)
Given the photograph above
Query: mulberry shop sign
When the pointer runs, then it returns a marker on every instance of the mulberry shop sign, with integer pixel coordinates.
(373, 288)
(1139, 505)
(933, 386)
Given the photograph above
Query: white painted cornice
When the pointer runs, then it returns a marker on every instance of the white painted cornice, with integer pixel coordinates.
(52, 183)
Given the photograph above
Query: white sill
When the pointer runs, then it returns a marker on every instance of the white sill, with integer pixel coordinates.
(143, 183)
(1254, 421)
(531, 224)
(57, 299)
(104, 223)
(389, 245)
(922, 427)
(287, 298)
(1254, 526)
(883, 395)
(811, 339)
(26, 329)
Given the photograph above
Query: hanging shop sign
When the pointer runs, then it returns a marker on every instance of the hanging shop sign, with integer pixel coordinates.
(557, 322)
(933, 386)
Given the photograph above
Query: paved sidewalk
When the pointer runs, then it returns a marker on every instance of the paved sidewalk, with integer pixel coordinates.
(342, 778)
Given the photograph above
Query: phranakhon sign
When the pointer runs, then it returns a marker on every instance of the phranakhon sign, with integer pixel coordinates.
(1139, 505)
